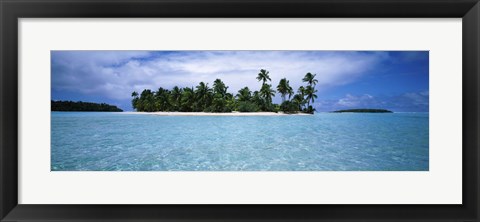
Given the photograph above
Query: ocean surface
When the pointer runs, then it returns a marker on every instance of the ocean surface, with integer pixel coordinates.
(90, 141)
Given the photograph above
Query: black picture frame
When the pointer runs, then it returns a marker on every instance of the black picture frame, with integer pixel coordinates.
(12, 10)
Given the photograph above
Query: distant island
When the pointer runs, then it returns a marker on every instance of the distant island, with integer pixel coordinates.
(83, 107)
(363, 111)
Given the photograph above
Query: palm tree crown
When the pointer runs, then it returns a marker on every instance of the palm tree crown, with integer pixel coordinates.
(310, 93)
(219, 87)
(203, 93)
(244, 94)
(176, 96)
(284, 88)
(267, 93)
(263, 76)
(310, 79)
(134, 94)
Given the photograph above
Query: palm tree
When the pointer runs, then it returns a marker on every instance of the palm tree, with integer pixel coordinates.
(310, 79)
(219, 87)
(301, 93)
(299, 100)
(134, 94)
(219, 101)
(231, 102)
(284, 88)
(310, 93)
(267, 93)
(257, 99)
(147, 101)
(244, 94)
(187, 100)
(135, 99)
(263, 76)
(176, 95)
(162, 96)
(310, 90)
(203, 94)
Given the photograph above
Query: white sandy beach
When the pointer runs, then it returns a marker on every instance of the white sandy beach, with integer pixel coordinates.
(216, 114)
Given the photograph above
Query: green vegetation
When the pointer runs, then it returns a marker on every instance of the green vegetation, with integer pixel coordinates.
(203, 98)
(363, 111)
(83, 106)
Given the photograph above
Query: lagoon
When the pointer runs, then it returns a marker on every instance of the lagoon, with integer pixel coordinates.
(91, 141)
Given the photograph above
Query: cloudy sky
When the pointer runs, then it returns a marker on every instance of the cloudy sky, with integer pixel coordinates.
(346, 79)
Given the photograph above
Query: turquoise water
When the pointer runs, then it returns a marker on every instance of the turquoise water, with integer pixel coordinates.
(321, 142)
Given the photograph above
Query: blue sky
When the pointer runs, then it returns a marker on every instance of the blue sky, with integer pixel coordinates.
(395, 80)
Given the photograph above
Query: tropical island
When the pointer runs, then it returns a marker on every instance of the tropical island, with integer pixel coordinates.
(363, 111)
(217, 99)
(83, 106)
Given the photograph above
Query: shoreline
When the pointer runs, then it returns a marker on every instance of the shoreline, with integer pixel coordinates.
(217, 114)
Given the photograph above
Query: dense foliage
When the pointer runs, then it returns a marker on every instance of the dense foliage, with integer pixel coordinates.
(203, 98)
(83, 106)
(363, 111)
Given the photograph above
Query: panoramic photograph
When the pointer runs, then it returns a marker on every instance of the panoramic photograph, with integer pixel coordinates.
(239, 110)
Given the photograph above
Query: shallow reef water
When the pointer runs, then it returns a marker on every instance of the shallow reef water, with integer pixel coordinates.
(90, 141)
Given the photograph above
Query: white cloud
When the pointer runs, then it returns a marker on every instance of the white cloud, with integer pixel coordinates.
(354, 101)
(115, 74)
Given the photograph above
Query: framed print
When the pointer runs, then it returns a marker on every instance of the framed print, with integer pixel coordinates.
(225, 110)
